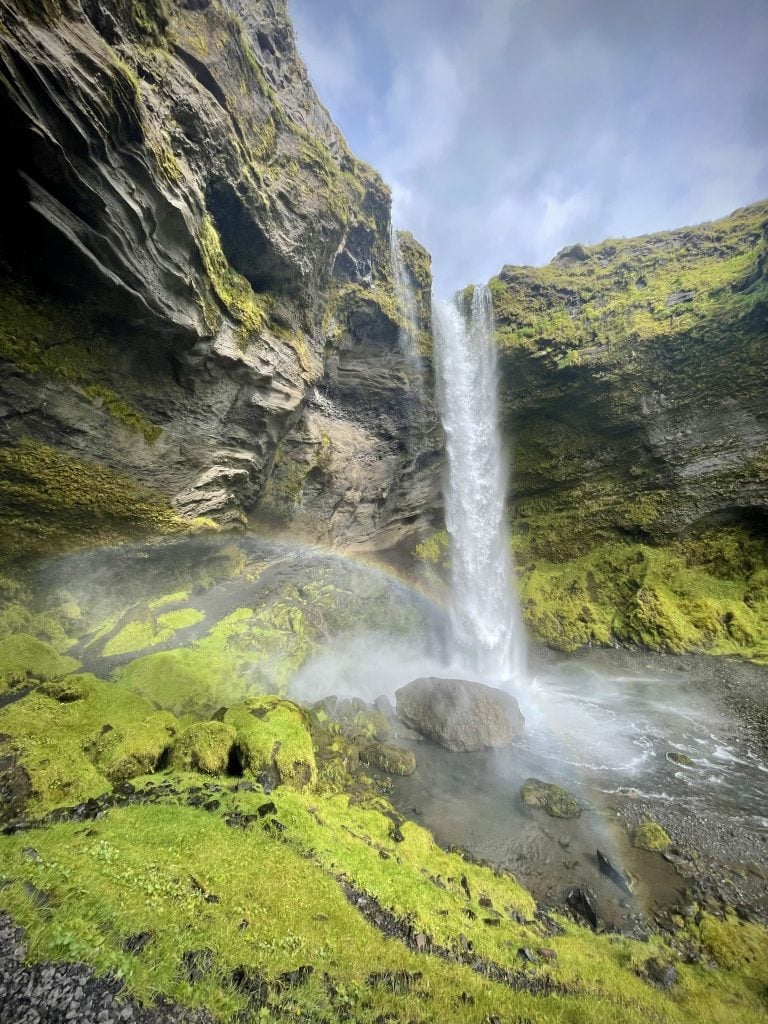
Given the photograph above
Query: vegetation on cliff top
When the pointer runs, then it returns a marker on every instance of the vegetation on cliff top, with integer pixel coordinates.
(591, 299)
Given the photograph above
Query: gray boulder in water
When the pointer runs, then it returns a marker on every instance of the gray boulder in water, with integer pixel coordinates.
(460, 715)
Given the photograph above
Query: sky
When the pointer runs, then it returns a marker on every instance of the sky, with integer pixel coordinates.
(510, 128)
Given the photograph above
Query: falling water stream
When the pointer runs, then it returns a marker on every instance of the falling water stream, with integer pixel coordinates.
(485, 622)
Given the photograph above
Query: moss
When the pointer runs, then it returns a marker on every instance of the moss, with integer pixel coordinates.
(389, 759)
(53, 732)
(267, 901)
(274, 741)
(186, 681)
(620, 291)
(651, 836)
(204, 747)
(47, 12)
(685, 596)
(24, 659)
(49, 339)
(150, 630)
(50, 500)
(732, 943)
(283, 492)
(556, 801)
(234, 292)
(434, 549)
(138, 749)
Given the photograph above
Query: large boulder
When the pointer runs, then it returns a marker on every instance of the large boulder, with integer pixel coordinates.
(460, 715)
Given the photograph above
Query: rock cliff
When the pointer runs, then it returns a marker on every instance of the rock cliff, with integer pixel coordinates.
(197, 307)
(634, 388)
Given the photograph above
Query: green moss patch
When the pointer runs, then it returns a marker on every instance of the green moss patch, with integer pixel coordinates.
(699, 594)
(133, 750)
(185, 681)
(556, 801)
(73, 734)
(151, 630)
(204, 747)
(24, 659)
(273, 741)
(266, 901)
(51, 501)
(50, 340)
(651, 836)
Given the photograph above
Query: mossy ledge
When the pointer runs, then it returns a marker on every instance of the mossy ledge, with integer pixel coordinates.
(51, 501)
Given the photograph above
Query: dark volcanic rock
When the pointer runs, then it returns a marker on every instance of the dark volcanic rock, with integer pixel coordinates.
(57, 992)
(460, 715)
(237, 351)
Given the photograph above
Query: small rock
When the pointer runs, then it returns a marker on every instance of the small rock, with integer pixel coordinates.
(582, 903)
(661, 973)
(528, 955)
(680, 759)
(607, 869)
(545, 953)
(556, 801)
(651, 836)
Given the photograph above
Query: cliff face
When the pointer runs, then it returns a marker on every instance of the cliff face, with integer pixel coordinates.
(197, 309)
(634, 387)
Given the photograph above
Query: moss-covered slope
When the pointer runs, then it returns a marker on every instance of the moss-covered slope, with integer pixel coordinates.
(633, 376)
(269, 885)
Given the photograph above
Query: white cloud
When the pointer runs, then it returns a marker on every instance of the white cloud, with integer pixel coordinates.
(509, 128)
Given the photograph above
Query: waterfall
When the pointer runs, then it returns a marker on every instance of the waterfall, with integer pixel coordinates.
(408, 334)
(485, 622)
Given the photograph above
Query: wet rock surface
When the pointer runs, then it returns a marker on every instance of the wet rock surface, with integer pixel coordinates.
(556, 801)
(460, 715)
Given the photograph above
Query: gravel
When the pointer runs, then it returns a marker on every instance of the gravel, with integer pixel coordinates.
(60, 993)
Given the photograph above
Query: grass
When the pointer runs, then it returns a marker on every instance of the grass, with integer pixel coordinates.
(157, 869)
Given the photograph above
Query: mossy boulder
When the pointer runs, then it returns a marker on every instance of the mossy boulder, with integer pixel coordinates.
(651, 836)
(138, 749)
(273, 741)
(204, 747)
(683, 760)
(389, 759)
(556, 801)
(25, 659)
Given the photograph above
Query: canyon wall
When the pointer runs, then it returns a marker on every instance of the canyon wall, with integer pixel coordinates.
(198, 318)
(634, 380)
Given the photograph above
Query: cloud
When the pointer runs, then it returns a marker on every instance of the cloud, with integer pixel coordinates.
(509, 128)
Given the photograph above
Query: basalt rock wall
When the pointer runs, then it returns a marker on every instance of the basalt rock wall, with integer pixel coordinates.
(197, 306)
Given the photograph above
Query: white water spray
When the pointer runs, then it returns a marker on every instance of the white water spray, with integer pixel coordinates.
(408, 333)
(485, 621)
